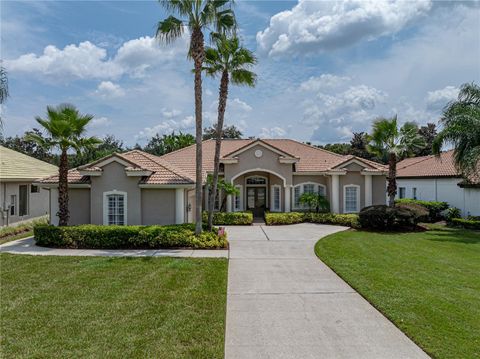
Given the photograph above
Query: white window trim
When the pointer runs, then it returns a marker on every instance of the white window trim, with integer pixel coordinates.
(105, 206)
(240, 197)
(345, 198)
(301, 192)
(272, 198)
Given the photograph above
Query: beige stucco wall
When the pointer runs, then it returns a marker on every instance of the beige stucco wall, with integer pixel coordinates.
(379, 189)
(79, 205)
(353, 178)
(353, 167)
(114, 178)
(158, 206)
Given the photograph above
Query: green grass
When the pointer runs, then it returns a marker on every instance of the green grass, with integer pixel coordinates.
(85, 307)
(427, 283)
(14, 237)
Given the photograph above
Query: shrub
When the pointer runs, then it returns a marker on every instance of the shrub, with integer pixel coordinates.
(383, 217)
(315, 201)
(452, 212)
(126, 237)
(435, 208)
(231, 218)
(420, 212)
(273, 218)
(17, 228)
(465, 223)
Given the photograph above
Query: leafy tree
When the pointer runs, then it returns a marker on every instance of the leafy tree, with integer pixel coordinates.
(230, 132)
(3, 90)
(224, 187)
(461, 127)
(428, 132)
(29, 147)
(109, 145)
(358, 145)
(315, 201)
(160, 145)
(340, 148)
(388, 140)
(232, 62)
(66, 128)
(197, 15)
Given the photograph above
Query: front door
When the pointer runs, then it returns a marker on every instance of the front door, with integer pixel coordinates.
(256, 200)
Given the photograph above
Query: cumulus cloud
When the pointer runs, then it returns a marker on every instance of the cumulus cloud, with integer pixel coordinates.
(436, 100)
(312, 26)
(166, 127)
(99, 122)
(272, 132)
(323, 82)
(108, 89)
(89, 61)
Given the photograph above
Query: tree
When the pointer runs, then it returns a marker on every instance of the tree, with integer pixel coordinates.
(461, 127)
(358, 145)
(198, 15)
(160, 145)
(110, 144)
(315, 201)
(428, 132)
(65, 127)
(340, 148)
(395, 143)
(230, 132)
(224, 187)
(3, 90)
(28, 147)
(232, 62)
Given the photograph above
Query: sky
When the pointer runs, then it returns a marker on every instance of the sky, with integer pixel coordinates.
(325, 69)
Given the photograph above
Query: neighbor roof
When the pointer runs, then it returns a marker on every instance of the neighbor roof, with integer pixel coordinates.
(17, 166)
(428, 166)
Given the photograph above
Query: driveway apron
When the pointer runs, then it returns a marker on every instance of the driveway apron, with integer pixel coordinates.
(283, 302)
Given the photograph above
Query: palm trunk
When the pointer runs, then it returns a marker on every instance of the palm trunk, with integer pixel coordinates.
(197, 52)
(63, 214)
(222, 104)
(392, 179)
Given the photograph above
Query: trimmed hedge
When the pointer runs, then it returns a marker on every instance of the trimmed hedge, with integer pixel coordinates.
(435, 208)
(230, 218)
(465, 223)
(382, 217)
(127, 237)
(277, 218)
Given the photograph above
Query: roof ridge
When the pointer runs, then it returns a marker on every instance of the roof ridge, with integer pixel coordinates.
(420, 159)
(165, 164)
(184, 148)
(314, 147)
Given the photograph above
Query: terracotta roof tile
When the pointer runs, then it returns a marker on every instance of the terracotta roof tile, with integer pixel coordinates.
(428, 166)
(74, 177)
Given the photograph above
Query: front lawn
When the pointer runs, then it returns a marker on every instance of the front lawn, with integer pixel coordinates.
(427, 283)
(84, 307)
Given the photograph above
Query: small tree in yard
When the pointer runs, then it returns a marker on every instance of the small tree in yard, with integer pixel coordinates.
(315, 201)
(222, 187)
(65, 127)
(387, 139)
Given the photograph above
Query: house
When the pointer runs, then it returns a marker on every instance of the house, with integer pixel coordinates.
(139, 188)
(20, 199)
(432, 178)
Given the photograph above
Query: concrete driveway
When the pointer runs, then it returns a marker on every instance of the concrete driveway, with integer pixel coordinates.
(283, 302)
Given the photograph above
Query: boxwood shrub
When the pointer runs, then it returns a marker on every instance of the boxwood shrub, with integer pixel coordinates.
(276, 218)
(382, 217)
(435, 209)
(230, 218)
(127, 237)
(465, 223)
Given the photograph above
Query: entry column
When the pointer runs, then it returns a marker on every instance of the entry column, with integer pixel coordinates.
(179, 205)
(287, 198)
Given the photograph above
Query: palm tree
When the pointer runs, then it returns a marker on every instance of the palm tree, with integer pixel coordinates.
(227, 59)
(197, 16)
(3, 89)
(387, 140)
(461, 127)
(65, 127)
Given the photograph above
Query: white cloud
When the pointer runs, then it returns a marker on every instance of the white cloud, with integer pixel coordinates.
(99, 122)
(324, 81)
(272, 132)
(108, 89)
(166, 127)
(88, 61)
(436, 100)
(311, 26)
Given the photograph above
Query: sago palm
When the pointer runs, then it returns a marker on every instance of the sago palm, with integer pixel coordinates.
(394, 143)
(232, 62)
(461, 127)
(65, 128)
(196, 16)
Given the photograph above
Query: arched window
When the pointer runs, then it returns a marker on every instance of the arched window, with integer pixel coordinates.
(351, 198)
(307, 187)
(115, 208)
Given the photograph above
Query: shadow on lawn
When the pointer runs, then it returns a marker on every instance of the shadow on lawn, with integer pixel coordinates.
(453, 235)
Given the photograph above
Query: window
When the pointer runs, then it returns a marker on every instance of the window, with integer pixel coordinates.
(13, 205)
(276, 198)
(34, 189)
(237, 201)
(256, 180)
(23, 200)
(351, 198)
(401, 192)
(414, 193)
(115, 208)
(298, 190)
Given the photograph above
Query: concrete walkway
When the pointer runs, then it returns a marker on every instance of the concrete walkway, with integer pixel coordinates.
(27, 246)
(283, 302)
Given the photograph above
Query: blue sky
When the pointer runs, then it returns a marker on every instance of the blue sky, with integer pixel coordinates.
(326, 69)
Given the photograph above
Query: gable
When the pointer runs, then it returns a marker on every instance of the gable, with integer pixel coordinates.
(260, 145)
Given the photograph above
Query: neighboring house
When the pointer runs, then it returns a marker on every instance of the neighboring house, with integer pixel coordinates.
(432, 178)
(139, 188)
(19, 198)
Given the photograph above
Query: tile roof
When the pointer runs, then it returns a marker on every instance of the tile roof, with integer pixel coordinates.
(74, 177)
(15, 165)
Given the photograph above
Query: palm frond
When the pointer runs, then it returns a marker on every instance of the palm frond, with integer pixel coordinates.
(169, 29)
(244, 77)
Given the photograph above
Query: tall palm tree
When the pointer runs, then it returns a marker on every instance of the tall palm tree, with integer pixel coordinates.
(197, 15)
(65, 127)
(229, 60)
(3, 90)
(461, 127)
(394, 143)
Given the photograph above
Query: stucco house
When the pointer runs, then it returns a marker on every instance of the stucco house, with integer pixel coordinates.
(20, 199)
(139, 188)
(432, 178)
